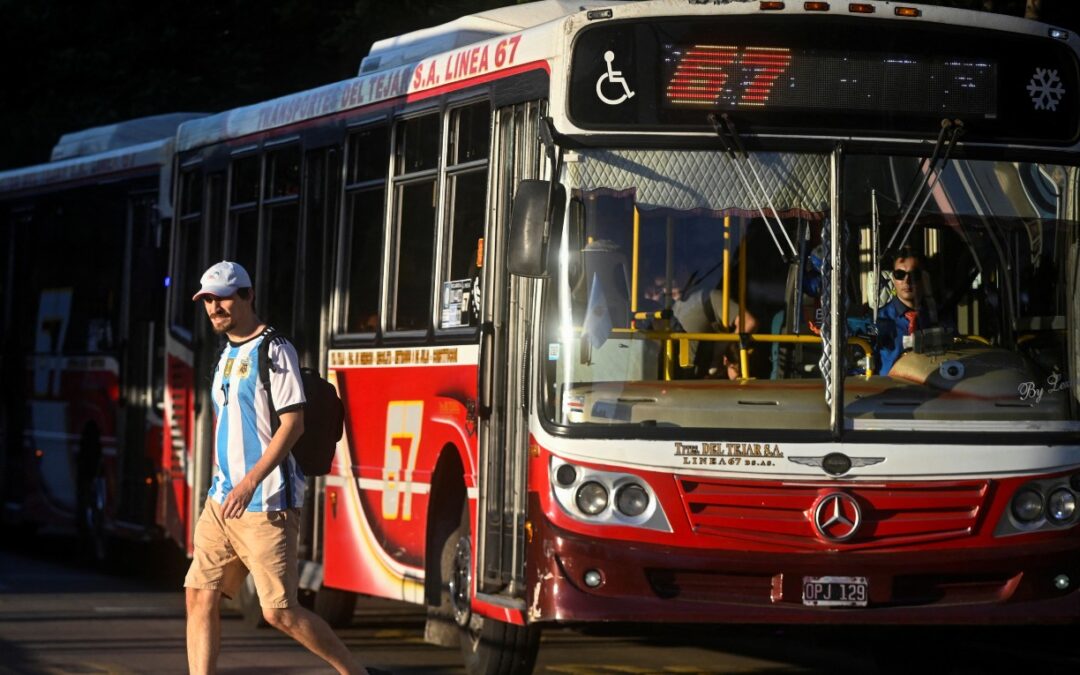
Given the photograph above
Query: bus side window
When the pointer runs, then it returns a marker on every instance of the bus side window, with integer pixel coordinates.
(467, 146)
(242, 244)
(186, 269)
(416, 155)
(281, 246)
(361, 238)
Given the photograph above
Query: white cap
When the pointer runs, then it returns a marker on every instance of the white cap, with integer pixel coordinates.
(222, 280)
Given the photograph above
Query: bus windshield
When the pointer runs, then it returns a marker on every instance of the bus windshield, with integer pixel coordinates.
(967, 307)
(690, 293)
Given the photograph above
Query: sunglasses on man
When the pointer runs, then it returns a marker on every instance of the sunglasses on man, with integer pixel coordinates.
(900, 275)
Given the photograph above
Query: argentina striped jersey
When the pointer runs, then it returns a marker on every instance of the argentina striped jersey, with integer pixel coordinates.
(242, 420)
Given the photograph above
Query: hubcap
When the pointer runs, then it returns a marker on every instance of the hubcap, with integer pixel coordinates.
(460, 582)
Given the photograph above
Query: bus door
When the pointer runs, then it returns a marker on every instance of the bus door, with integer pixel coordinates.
(321, 186)
(322, 183)
(504, 355)
(14, 332)
(141, 362)
(198, 233)
(279, 270)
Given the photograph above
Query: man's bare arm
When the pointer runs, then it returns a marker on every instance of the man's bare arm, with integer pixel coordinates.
(290, 430)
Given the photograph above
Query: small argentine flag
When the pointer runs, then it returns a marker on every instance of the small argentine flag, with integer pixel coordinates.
(598, 322)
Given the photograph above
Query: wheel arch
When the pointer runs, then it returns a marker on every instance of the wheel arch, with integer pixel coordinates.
(448, 495)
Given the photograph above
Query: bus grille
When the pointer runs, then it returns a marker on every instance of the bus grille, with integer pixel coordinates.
(781, 514)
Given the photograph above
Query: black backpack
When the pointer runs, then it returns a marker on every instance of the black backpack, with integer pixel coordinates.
(324, 414)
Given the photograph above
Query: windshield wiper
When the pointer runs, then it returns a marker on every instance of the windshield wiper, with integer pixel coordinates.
(930, 168)
(735, 150)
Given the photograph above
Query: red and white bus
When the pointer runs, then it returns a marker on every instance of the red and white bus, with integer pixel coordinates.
(605, 290)
(83, 241)
(648, 389)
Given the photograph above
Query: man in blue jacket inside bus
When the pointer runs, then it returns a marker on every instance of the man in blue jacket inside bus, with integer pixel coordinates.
(906, 313)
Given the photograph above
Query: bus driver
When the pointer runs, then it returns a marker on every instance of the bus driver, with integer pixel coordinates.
(910, 310)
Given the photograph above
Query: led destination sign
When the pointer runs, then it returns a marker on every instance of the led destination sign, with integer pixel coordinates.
(734, 77)
(843, 75)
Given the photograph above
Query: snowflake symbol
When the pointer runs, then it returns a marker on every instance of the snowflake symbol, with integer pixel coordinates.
(1045, 89)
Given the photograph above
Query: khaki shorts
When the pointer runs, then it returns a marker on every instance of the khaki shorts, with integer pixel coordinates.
(263, 542)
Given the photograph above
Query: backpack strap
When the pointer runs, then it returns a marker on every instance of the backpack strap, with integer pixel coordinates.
(263, 356)
(265, 366)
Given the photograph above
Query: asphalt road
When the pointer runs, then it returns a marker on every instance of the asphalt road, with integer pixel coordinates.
(59, 615)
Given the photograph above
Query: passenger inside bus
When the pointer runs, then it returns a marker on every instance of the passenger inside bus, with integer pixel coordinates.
(702, 312)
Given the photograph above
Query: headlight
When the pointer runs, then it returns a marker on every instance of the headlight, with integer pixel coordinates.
(632, 500)
(1027, 506)
(565, 475)
(1060, 505)
(592, 498)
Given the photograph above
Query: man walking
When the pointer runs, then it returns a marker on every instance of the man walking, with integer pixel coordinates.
(251, 517)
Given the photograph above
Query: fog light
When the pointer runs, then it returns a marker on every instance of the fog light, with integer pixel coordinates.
(632, 500)
(565, 475)
(1061, 505)
(1062, 582)
(592, 498)
(1027, 506)
(593, 578)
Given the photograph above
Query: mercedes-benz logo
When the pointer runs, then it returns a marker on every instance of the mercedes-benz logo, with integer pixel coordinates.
(837, 517)
(837, 463)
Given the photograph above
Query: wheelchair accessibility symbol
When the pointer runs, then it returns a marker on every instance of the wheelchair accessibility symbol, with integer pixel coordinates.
(613, 79)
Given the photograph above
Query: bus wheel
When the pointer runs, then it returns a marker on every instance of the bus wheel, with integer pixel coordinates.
(336, 607)
(488, 647)
(97, 541)
(90, 497)
(248, 603)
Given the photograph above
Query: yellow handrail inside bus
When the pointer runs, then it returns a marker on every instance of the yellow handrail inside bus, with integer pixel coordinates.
(744, 353)
(684, 339)
(725, 293)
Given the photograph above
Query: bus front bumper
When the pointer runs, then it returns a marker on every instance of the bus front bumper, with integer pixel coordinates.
(645, 582)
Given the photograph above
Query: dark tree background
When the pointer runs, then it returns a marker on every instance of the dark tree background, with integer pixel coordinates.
(70, 64)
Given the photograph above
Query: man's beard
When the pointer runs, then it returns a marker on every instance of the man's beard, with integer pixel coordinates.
(224, 326)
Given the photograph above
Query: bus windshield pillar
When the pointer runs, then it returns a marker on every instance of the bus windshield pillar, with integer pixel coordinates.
(834, 376)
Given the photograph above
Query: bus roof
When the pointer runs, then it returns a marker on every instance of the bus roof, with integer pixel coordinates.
(403, 65)
(100, 153)
(428, 60)
(419, 44)
(97, 140)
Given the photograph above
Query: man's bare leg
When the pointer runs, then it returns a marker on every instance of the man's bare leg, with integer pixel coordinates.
(310, 630)
(203, 630)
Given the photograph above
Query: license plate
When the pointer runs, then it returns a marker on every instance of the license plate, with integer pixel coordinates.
(835, 591)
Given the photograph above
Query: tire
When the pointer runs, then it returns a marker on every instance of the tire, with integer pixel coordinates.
(441, 627)
(98, 545)
(248, 604)
(336, 607)
(90, 497)
(488, 647)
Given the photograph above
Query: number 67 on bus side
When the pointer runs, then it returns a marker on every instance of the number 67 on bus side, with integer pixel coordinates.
(404, 420)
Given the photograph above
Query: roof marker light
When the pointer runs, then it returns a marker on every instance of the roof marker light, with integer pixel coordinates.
(861, 8)
(816, 6)
(595, 14)
(911, 12)
(1059, 34)
(770, 4)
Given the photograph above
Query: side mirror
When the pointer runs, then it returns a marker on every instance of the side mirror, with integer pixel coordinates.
(527, 254)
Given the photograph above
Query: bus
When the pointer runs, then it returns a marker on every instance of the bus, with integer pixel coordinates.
(84, 240)
(611, 293)
(604, 289)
